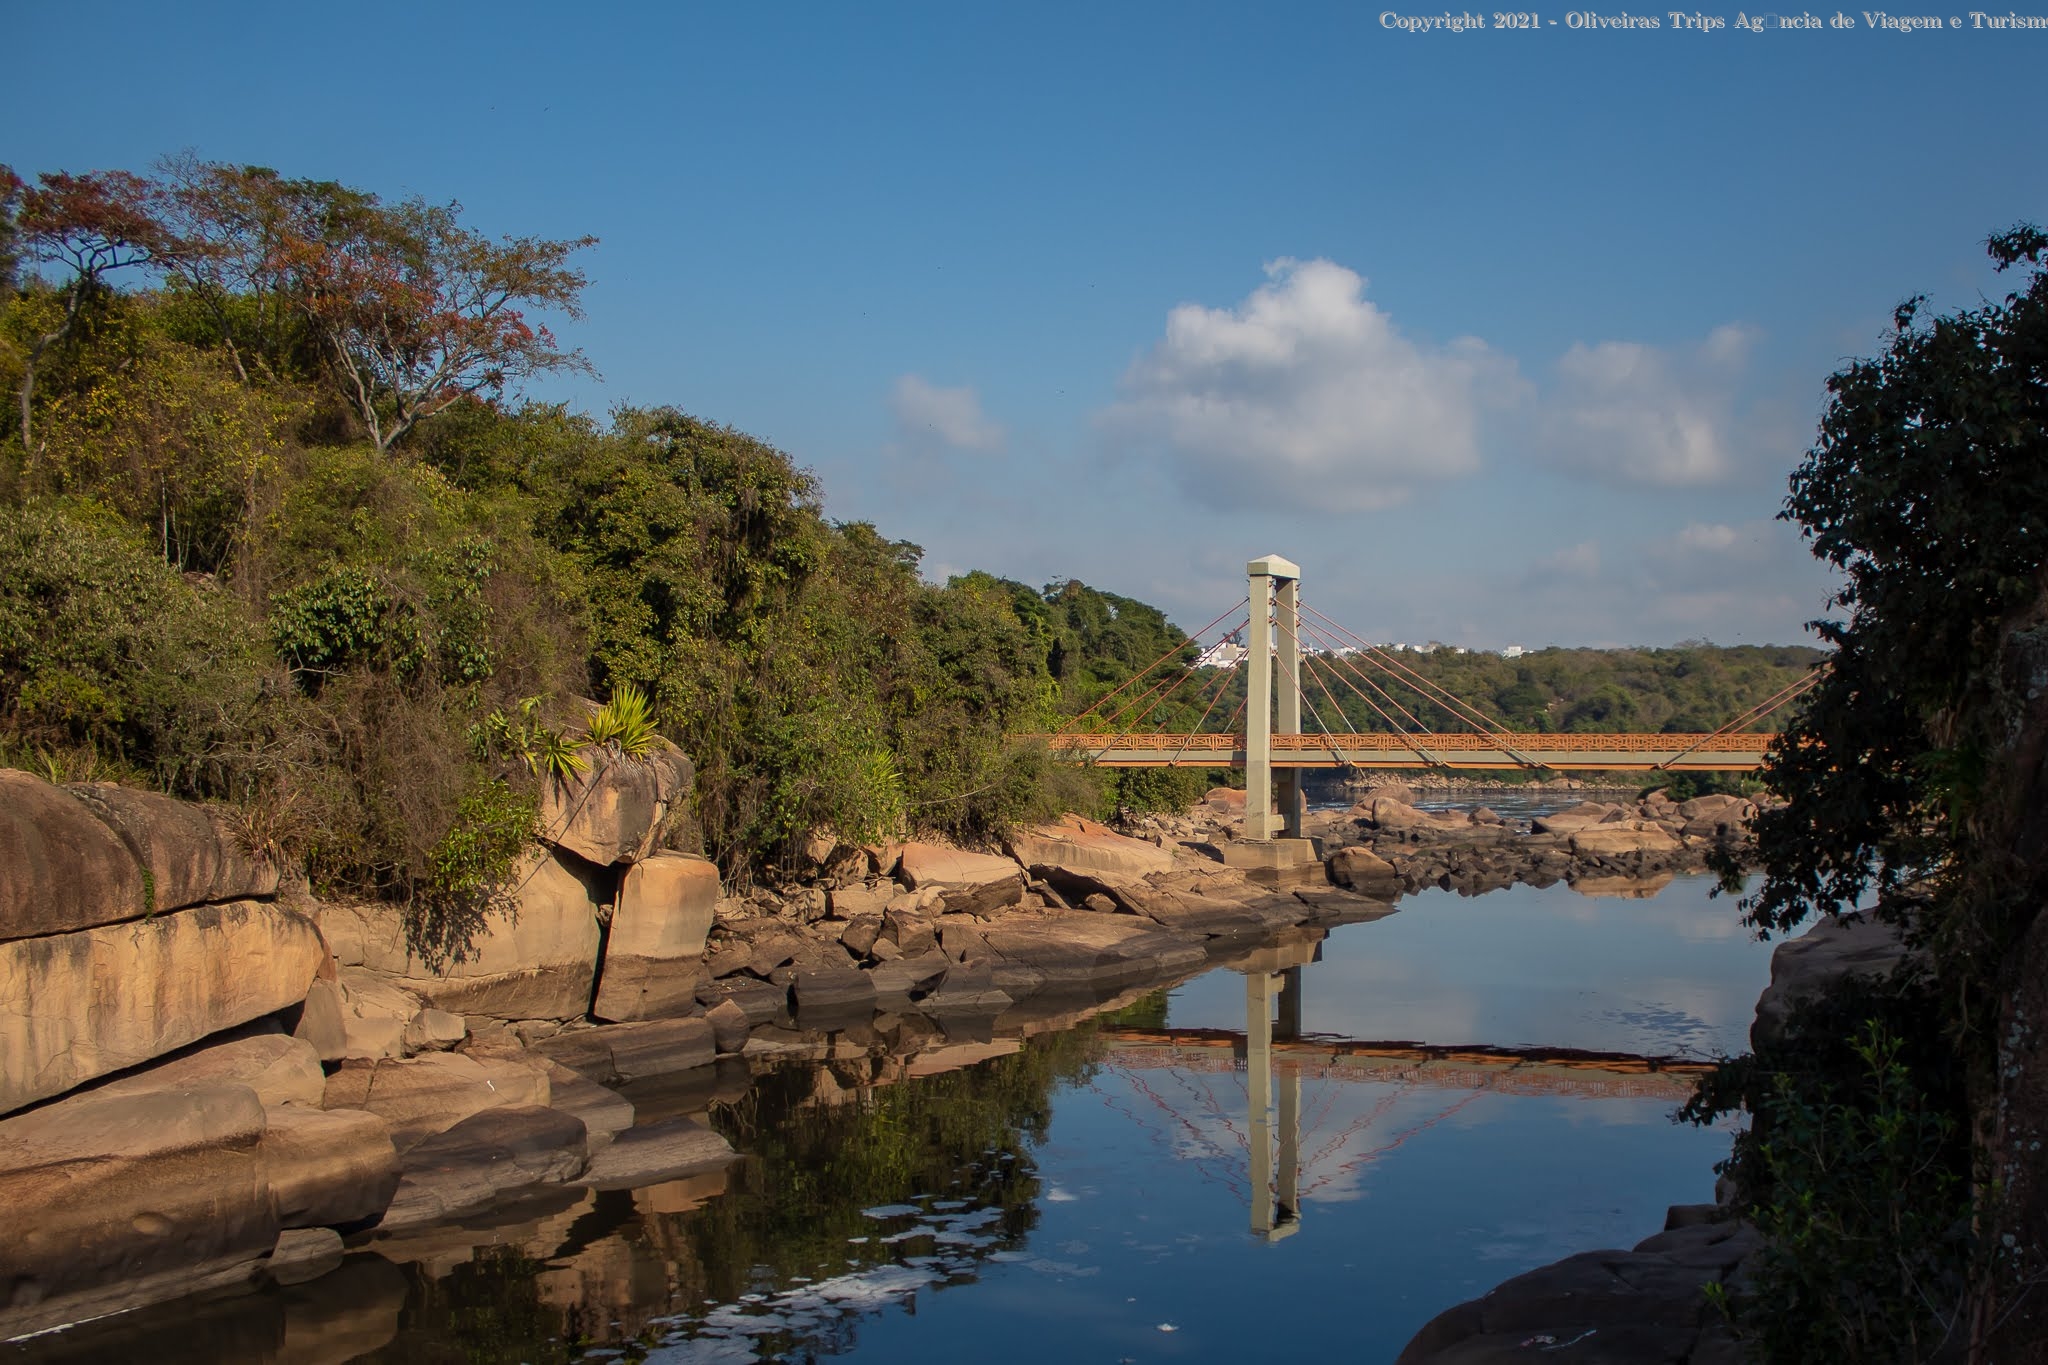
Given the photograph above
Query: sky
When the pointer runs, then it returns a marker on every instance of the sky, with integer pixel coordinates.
(1505, 336)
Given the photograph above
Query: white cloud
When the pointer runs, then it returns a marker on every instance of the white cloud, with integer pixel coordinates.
(1573, 562)
(1307, 396)
(929, 416)
(1707, 536)
(1632, 413)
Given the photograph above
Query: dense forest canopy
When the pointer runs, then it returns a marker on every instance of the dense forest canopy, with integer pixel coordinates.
(278, 529)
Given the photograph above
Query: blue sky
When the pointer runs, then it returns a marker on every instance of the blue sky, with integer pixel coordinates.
(1504, 336)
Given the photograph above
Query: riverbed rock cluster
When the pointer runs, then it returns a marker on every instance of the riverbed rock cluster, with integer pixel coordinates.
(208, 1078)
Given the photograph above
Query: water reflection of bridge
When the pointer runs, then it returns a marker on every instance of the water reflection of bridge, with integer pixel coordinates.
(1275, 1056)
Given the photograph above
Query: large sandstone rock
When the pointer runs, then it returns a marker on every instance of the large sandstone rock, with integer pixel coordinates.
(625, 1052)
(327, 1167)
(925, 865)
(1078, 949)
(77, 1006)
(661, 1151)
(106, 1189)
(614, 812)
(1614, 841)
(61, 869)
(1080, 845)
(189, 856)
(1364, 871)
(486, 1154)
(432, 1093)
(279, 1068)
(652, 956)
(1585, 815)
(537, 961)
(1806, 966)
(1607, 1307)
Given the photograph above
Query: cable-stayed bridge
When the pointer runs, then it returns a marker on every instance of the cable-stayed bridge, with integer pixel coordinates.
(1295, 663)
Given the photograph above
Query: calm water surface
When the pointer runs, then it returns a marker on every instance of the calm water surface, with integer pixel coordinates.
(1097, 1194)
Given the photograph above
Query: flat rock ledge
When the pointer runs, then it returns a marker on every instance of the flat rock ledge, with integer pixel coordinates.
(1632, 1307)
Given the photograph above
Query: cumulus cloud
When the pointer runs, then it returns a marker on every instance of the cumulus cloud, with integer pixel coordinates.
(928, 416)
(1573, 562)
(1637, 414)
(1307, 396)
(1707, 536)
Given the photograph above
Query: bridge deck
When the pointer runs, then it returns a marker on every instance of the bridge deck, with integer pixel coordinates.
(1675, 753)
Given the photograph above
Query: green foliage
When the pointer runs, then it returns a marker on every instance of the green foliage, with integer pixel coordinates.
(105, 650)
(1856, 1168)
(625, 723)
(1929, 490)
(469, 871)
(542, 751)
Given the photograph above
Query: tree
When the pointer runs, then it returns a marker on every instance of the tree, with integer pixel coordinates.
(1919, 768)
(413, 312)
(92, 225)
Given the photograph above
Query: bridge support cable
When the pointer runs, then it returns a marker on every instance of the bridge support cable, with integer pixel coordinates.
(1393, 726)
(1127, 682)
(1225, 676)
(1442, 696)
(1429, 689)
(1783, 697)
(1164, 688)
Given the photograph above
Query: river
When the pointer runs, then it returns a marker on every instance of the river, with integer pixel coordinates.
(1097, 1193)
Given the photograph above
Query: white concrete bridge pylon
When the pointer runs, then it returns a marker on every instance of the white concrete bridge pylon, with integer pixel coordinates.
(1274, 658)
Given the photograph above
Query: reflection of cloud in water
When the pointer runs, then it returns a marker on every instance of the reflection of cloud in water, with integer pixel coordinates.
(761, 1326)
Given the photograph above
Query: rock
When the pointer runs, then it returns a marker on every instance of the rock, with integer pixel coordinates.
(860, 934)
(910, 976)
(763, 1003)
(658, 930)
(1077, 948)
(614, 812)
(1079, 845)
(1582, 816)
(623, 1052)
(832, 991)
(729, 1026)
(187, 855)
(537, 961)
(1614, 841)
(967, 988)
(323, 1021)
(103, 1189)
(605, 1112)
(480, 1158)
(909, 930)
(1225, 801)
(1362, 870)
(279, 1068)
(1804, 967)
(655, 1152)
(327, 1168)
(1618, 1307)
(77, 1006)
(967, 883)
(65, 870)
(433, 1030)
(433, 1093)
(375, 1014)
(852, 902)
(303, 1254)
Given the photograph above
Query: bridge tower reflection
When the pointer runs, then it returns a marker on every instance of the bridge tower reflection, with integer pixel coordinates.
(1274, 1103)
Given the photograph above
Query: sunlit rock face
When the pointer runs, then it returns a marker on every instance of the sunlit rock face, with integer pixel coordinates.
(77, 1006)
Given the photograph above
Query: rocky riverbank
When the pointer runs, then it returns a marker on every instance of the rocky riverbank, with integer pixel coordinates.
(209, 1081)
